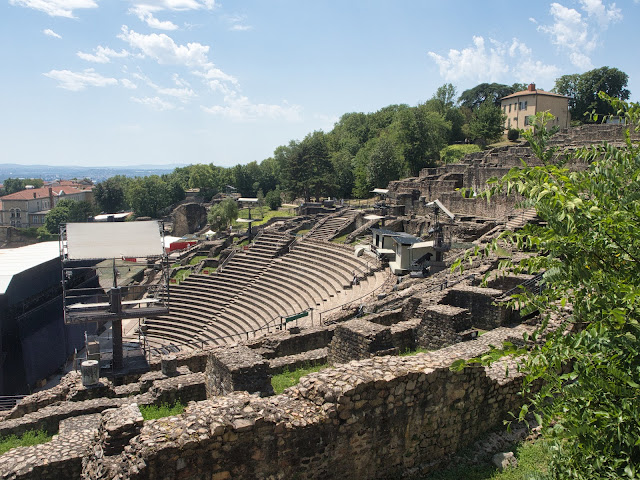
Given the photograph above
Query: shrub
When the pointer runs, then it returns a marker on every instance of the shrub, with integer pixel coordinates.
(273, 199)
(453, 153)
(513, 134)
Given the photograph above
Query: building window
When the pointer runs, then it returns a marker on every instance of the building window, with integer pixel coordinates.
(509, 108)
(509, 123)
(17, 213)
(523, 105)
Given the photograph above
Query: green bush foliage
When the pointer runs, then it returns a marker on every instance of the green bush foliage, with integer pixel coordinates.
(589, 251)
(453, 153)
(513, 134)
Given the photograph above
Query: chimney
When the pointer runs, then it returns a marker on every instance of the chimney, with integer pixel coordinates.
(34, 194)
(51, 205)
(532, 87)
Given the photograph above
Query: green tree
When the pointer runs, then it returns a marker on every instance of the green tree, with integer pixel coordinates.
(589, 251)
(148, 195)
(222, 214)
(422, 133)
(109, 194)
(67, 211)
(12, 185)
(583, 89)
(273, 199)
(474, 97)
(487, 123)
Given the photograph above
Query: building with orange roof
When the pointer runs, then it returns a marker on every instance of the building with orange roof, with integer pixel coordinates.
(27, 208)
(520, 106)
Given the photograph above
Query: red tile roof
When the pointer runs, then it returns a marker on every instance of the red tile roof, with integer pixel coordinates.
(533, 92)
(42, 192)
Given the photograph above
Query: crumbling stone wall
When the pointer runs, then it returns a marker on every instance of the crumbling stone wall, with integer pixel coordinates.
(480, 302)
(237, 368)
(384, 417)
(440, 326)
(358, 339)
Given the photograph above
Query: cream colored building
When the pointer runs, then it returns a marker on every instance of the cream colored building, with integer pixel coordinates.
(519, 106)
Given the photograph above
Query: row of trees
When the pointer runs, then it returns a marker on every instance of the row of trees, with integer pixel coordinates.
(361, 152)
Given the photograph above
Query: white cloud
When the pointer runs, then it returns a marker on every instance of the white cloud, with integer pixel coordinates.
(76, 81)
(56, 8)
(475, 62)
(145, 13)
(102, 55)
(604, 15)
(126, 83)
(577, 34)
(156, 103)
(237, 23)
(164, 50)
(498, 62)
(178, 5)
(239, 108)
(51, 33)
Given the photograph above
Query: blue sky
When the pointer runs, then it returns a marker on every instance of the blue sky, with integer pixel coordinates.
(124, 82)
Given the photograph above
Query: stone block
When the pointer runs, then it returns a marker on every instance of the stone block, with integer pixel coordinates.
(358, 339)
(481, 302)
(237, 369)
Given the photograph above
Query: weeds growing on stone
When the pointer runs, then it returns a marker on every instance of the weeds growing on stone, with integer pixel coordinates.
(533, 461)
(151, 412)
(25, 440)
(288, 379)
(408, 352)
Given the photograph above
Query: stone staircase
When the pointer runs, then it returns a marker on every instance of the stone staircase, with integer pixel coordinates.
(332, 225)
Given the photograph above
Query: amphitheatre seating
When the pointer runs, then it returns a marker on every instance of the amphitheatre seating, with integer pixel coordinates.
(332, 225)
(255, 288)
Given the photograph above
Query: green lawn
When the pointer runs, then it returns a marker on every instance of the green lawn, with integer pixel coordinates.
(533, 459)
(340, 239)
(197, 259)
(264, 217)
(182, 274)
(27, 439)
(151, 412)
(288, 379)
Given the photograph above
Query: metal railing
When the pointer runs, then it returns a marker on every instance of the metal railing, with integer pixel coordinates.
(7, 402)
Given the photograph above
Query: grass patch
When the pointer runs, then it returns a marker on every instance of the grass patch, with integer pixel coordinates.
(288, 379)
(25, 440)
(151, 412)
(197, 259)
(533, 460)
(182, 274)
(408, 353)
(262, 215)
(340, 239)
(303, 231)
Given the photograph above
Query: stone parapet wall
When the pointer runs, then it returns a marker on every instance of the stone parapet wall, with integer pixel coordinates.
(358, 339)
(480, 302)
(236, 368)
(385, 417)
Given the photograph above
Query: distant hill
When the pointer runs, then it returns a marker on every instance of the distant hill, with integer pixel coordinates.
(51, 172)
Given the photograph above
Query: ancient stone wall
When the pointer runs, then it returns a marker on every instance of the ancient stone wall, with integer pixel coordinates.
(385, 417)
(480, 302)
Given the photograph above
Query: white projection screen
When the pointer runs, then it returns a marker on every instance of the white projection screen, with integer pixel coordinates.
(88, 241)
